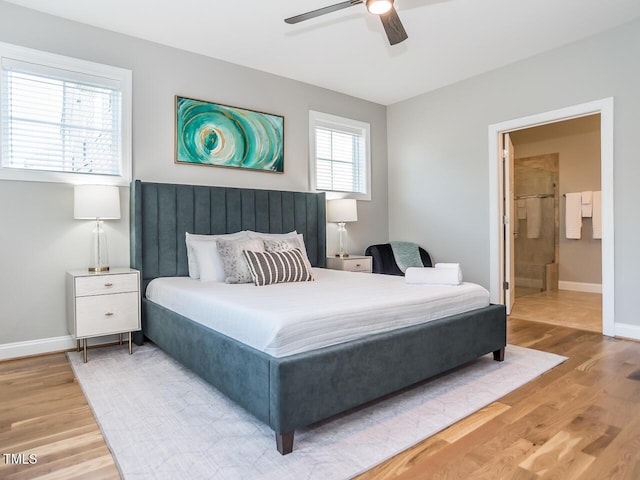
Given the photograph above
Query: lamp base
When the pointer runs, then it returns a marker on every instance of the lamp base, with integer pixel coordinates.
(343, 239)
(98, 269)
(99, 260)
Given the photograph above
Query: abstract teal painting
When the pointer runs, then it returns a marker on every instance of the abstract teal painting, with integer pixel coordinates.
(223, 136)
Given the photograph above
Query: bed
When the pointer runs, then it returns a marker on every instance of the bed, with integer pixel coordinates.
(292, 390)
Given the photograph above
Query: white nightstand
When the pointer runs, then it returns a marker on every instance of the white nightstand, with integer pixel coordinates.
(102, 303)
(353, 263)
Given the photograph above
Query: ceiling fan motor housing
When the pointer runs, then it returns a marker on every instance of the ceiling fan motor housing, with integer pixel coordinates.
(379, 7)
(382, 8)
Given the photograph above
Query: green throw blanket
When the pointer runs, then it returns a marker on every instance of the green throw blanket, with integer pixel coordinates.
(406, 255)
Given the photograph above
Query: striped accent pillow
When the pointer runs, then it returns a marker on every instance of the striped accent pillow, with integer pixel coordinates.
(268, 268)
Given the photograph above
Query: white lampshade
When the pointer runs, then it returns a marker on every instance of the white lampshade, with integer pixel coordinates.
(96, 201)
(342, 210)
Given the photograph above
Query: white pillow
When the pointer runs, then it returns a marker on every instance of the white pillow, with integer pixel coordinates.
(208, 261)
(194, 272)
(271, 236)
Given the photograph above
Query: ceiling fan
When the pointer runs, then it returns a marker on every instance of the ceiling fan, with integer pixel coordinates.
(383, 8)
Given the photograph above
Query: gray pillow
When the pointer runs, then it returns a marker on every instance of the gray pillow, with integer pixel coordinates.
(234, 262)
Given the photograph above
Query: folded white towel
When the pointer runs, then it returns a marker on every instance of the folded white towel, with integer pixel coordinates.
(447, 265)
(433, 276)
(534, 217)
(587, 206)
(573, 216)
(596, 220)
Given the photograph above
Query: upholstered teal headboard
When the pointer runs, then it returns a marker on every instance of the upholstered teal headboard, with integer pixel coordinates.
(161, 213)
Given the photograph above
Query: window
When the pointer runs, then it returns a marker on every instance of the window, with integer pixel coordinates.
(63, 119)
(340, 158)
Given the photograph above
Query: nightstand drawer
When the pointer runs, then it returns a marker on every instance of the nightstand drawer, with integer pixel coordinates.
(106, 314)
(356, 264)
(106, 284)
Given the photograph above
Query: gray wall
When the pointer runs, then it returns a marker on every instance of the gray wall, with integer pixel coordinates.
(578, 144)
(39, 240)
(438, 151)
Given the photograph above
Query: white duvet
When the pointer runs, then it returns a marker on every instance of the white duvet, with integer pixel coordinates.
(289, 318)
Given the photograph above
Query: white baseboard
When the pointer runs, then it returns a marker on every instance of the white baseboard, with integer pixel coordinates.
(627, 331)
(580, 287)
(47, 345)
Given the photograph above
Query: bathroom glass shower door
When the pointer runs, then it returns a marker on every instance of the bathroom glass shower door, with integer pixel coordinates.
(536, 226)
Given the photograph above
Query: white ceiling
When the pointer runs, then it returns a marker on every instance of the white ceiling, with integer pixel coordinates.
(347, 51)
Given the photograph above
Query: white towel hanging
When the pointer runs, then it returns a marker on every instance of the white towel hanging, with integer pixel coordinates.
(573, 216)
(587, 206)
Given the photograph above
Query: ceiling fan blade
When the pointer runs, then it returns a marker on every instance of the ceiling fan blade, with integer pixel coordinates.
(322, 11)
(393, 27)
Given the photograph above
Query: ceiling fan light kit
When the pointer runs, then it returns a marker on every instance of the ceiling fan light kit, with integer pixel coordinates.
(383, 8)
(379, 7)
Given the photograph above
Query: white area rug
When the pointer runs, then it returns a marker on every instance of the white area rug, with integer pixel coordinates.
(163, 422)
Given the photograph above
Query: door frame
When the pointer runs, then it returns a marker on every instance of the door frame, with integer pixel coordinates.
(496, 203)
(511, 216)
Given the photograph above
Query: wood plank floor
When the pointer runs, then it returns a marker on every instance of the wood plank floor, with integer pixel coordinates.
(580, 420)
(44, 413)
(561, 307)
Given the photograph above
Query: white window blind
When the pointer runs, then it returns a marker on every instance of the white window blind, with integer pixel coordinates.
(62, 120)
(340, 152)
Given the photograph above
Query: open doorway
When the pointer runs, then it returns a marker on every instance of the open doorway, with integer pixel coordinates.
(500, 211)
(558, 265)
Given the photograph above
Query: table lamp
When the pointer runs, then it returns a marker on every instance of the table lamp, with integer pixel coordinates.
(97, 202)
(342, 211)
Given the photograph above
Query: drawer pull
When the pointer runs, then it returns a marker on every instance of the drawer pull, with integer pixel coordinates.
(108, 314)
(357, 264)
(108, 284)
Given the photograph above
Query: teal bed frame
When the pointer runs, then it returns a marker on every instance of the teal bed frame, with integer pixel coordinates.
(296, 391)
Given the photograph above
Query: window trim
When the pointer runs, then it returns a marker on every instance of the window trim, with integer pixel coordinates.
(76, 66)
(316, 118)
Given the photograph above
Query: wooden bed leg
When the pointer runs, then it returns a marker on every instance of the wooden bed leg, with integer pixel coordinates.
(284, 442)
(498, 355)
